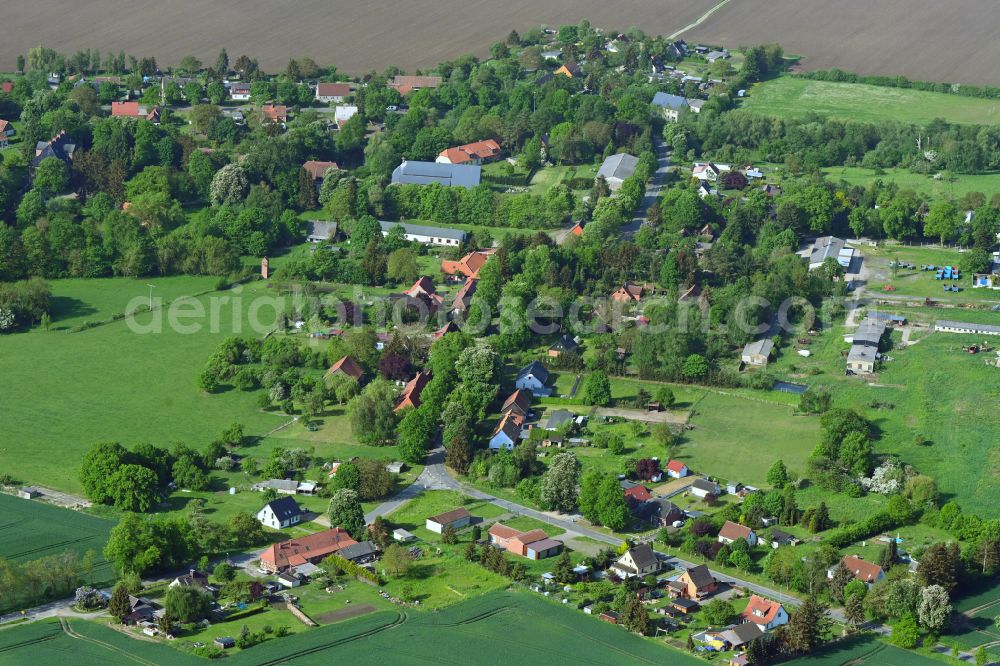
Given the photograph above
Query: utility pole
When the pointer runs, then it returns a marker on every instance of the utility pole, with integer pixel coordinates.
(151, 287)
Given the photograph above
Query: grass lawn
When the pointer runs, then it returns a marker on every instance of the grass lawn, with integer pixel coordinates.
(954, 187)
(928, 389)
(112, 384)
(790, 96)
(738, 438)
(922, 284)
(547, 178)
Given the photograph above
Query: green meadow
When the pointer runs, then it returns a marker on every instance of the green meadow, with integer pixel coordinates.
(796, 97)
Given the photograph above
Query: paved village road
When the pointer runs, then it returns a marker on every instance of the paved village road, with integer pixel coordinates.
(653, 188)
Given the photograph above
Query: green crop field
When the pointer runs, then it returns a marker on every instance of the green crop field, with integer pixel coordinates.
(953, 187)
(975, 625)
(863, 651)
(32, 530)
(470, 632)
(795, 97)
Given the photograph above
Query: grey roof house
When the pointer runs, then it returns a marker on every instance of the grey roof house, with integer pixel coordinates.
(318, 231)
(412, 172)
(419, 233)
(616, 168)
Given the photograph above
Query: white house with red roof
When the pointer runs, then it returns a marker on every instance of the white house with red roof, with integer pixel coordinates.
(332, 92)
(676, 469)
(766, 614)
(731, 532)
(863, 570)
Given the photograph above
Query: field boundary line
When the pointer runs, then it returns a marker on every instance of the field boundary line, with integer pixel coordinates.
(73, 634)
(701, 19)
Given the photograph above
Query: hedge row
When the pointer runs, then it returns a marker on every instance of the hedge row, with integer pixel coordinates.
(876, 524)
(352, 569)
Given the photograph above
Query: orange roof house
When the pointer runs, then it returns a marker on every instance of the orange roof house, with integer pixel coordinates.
(866, 572)
(696, 582)
(135, 110)
(450, 327)
(346, 366)
(423, 285)
(731, 532)
(310, 548)
(468, 265)
(570, 69)
(518, 402)
(410, 397)
(637, 495)
(317, 169)
(405, 84)
(765, 613)
(577, 229)
(275, 113)
(470, 153)
(534, 544)
(464, 296)
(628, 292)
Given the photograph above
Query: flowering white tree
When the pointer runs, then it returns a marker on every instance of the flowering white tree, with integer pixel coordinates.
(934, 609)
(885, 480)
(229, 185)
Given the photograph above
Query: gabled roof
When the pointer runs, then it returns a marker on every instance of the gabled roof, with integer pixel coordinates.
(317, 169)
(521, 398)
(675, 466)
(638, 494)
(464, 295)
(311, 546)
(510, 425)
(565, 343)
(537, 369)
(501, 531)
(761, 610)
(658, 507)
(61, 146)
(642, 555)
(320, 230)
(410, 397)
(284, 508)
(700, 576)
(628, 291)
(481, 150)
(416, 172)
(468, 265)
(866, 572)
(405, 84)
(705, 485)
(423, 285)
(333, 89)
(358, 550)
(619, 165)
(348, 366)
(760, 347)
(668, 101)
(275, 113)
(734, 531)
(742, 634)
(450, 327)
(423, 230)
(450, 516)
(558, 418)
